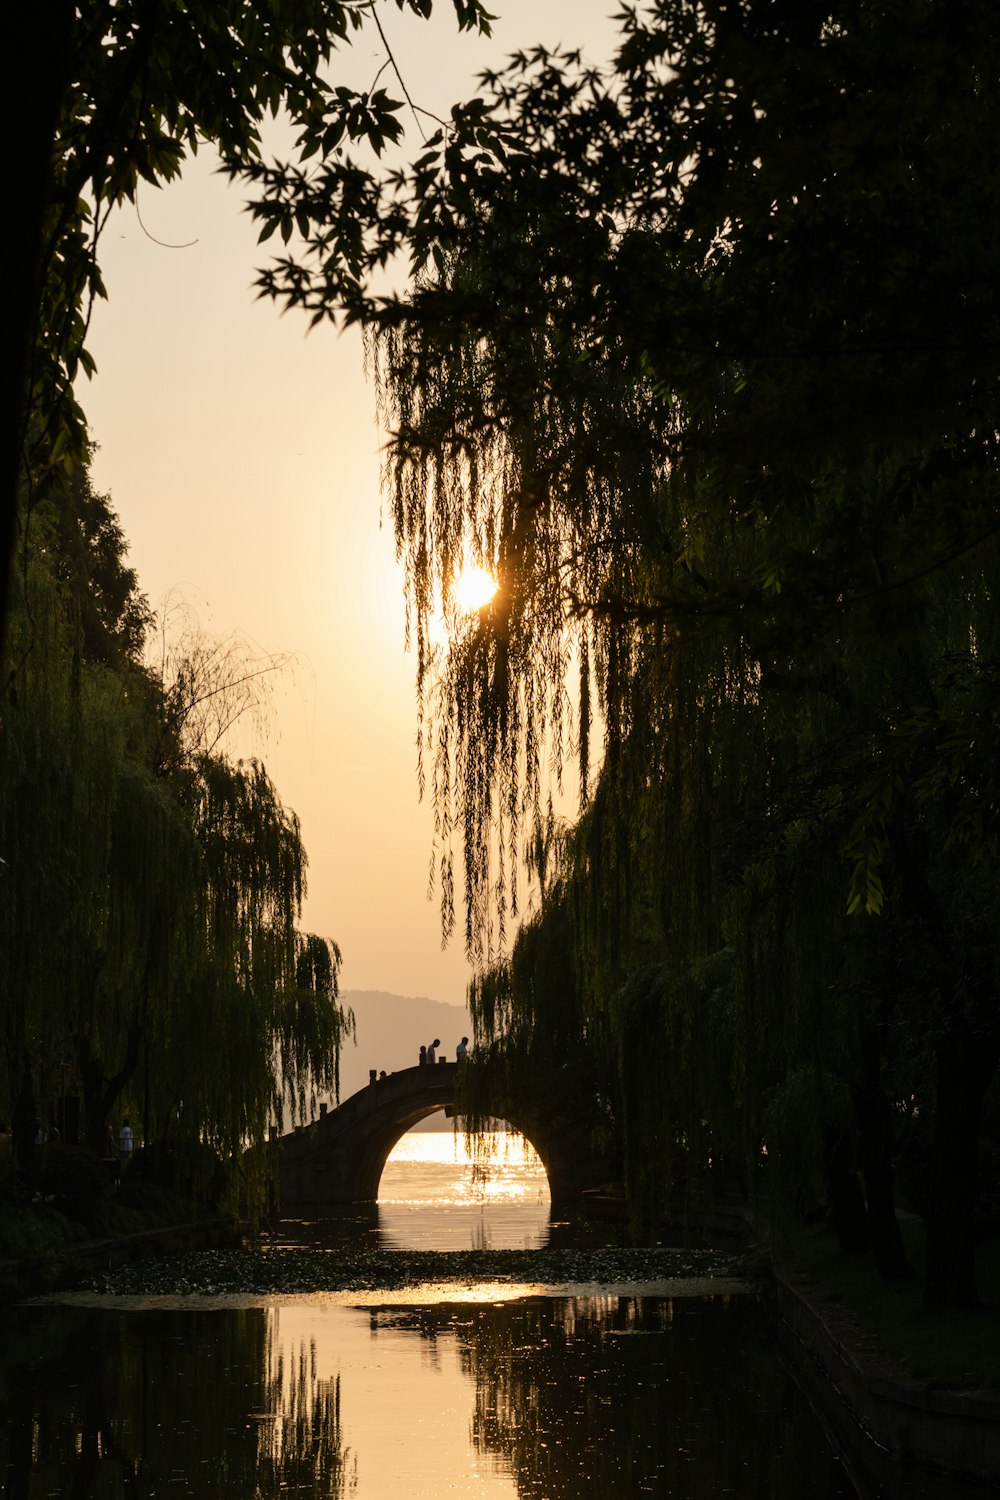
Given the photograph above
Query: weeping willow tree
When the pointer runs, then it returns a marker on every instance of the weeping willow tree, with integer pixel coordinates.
(76, 807)
(671, 374)
(151, 888)
(254, 1029)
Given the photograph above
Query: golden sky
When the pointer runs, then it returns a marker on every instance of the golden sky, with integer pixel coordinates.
(242, 458)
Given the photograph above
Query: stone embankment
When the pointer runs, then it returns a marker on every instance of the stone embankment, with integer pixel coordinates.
(900, 1435)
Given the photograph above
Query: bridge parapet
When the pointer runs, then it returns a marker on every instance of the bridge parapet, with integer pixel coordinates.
(434, 1085)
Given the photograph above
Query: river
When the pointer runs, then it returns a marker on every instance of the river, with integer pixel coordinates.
(470, 1390)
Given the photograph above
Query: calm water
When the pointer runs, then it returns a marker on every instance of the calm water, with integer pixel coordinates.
(498, 1394)
(430, 1197)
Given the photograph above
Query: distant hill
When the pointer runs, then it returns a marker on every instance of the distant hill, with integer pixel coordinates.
(391, 1029)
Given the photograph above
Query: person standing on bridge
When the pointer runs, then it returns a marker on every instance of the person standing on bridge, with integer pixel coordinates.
(462, 1050)
(423, 1056)
(432, 1051)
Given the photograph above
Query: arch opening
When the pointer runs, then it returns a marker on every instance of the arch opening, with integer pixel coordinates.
(436, 1192)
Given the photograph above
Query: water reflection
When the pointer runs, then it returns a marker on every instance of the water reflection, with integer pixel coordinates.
(372, 1226)
(623, 1396)
(143, 1404)
(546, 1397)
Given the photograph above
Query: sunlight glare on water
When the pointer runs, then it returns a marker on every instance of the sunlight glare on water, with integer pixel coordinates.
(431, 1198)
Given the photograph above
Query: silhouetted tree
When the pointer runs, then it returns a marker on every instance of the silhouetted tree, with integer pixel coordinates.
(700, 362)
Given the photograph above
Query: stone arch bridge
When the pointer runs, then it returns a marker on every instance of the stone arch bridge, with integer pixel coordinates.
(338, 1160)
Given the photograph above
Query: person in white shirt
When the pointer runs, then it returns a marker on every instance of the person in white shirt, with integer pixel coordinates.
(462, 1050)
(432, 1051)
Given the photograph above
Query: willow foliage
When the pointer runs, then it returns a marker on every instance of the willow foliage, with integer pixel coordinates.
(509, 449)
(150, 962)
(701, 366)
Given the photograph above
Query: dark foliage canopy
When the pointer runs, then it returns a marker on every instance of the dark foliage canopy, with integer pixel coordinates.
(115, 95)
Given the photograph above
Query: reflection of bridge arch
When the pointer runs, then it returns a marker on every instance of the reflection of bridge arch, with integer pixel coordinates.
(340, 1159)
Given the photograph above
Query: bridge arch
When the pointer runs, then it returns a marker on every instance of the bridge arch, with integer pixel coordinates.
(381, 1146)
(339, 1160)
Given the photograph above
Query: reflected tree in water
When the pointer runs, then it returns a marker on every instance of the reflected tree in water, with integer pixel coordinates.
(301, 1451)
(114, 1406)
(618, 1396)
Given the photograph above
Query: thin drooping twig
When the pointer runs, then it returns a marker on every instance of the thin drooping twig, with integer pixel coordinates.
(415, 108)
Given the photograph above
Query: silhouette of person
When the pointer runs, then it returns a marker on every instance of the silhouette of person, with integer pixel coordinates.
(432, 1051)
(423, 1055)
(462, 1050)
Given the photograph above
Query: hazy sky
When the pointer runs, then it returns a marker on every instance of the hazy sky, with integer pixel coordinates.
(242, 458)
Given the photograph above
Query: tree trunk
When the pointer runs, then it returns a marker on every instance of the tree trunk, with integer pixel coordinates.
(92, 1088)
(100, 1093)
(844, 1197)
(24, 1123)
(872, 1112)
(966, 1064)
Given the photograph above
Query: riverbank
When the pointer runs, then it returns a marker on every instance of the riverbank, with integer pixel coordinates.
(913, 1396)
(899, 1434)
(949, 1348)
(67, 1264)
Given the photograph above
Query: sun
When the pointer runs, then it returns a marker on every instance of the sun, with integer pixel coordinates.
(473, 588)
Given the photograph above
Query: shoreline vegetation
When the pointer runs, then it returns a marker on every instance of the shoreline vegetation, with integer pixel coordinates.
(955, 1348)
(262, 1271)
